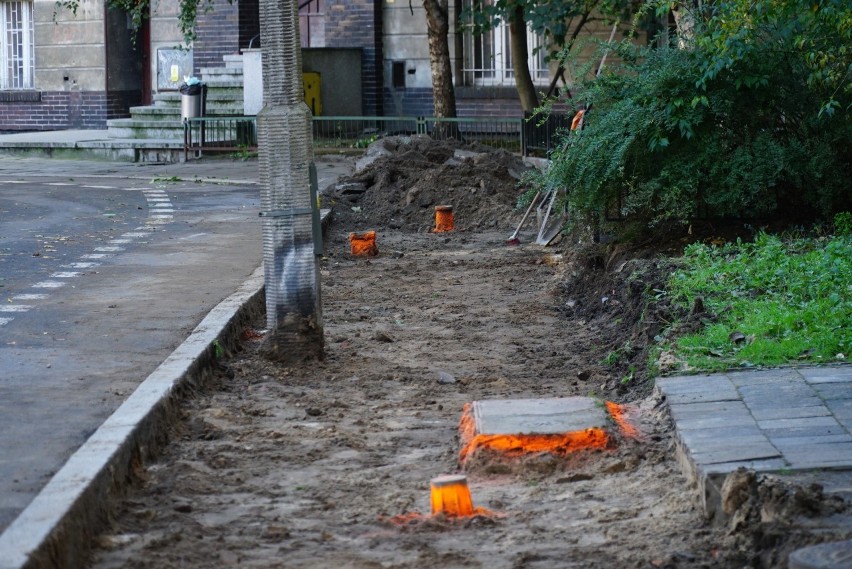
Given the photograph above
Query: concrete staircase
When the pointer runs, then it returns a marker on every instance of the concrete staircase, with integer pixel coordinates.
(160, 123)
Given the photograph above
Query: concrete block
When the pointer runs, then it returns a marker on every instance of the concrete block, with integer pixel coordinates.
(538, 416)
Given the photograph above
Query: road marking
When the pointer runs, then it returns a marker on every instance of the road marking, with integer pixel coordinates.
(157, 199)
(29, 297)
(95, 256)
(100, 187)
(15, 307)
(110, 249)
(82, 265)
(120, 241)
(135, 234)
(4, 321)
(49, 284)
(159, 217)
(60, 184)
(13, 182)
(65, 275)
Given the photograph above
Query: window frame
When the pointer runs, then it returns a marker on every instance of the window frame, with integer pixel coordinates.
(487, 57)
(20, 77)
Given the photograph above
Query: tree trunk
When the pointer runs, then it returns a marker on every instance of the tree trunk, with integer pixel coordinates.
(437, 28)
(520, 58)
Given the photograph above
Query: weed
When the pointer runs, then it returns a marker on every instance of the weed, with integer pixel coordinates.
(169, 179)
(778, 300)
(218, 350)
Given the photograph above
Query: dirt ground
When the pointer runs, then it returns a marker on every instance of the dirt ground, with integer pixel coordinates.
(308, 466)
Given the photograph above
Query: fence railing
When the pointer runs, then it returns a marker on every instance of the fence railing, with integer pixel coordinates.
(518, 135)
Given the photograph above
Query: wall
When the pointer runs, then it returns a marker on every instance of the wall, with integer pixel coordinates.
(218, 34)
(70, 78)
(164, 33)
(358, 24)
(340, 73)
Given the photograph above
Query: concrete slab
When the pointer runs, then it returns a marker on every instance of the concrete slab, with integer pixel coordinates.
(828, 374)
(538, 416)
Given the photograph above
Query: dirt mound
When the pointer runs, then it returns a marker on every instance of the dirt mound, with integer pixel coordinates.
(400, 180)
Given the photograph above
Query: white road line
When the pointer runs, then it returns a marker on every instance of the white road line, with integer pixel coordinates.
(4, 321)
(159, 217)
(13, 182)
(82, 265)
(60, 184)
(49, 284)
(135, 234)
(95, 256)
(158, 199)
(15, 307)
(110, 249)
(100, 187)
(29, 297)
(120, 241)
(65, 275)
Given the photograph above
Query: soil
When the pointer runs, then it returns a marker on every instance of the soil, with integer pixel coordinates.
(326, 463)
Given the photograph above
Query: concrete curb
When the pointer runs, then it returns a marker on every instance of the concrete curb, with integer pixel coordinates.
(56, 529)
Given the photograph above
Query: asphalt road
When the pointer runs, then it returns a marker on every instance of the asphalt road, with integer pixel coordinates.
(103, 272)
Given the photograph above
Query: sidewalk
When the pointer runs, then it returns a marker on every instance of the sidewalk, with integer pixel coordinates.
(788, 420)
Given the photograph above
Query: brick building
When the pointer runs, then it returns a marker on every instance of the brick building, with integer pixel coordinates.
(60, 70)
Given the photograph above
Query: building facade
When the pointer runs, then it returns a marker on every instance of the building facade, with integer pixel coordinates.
(61, 70)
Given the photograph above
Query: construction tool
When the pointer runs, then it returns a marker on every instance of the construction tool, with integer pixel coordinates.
(513, 239)
(549, 228)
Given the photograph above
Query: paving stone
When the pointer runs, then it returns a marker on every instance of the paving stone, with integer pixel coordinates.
(705, 446)
(687, 424)
(763, 414)
(720, 433)
(771, 424)
(769, 391)
(709, 409)
(834, 390)
(539, 416)
(766, 465)
(793, 443)
(693, 383)
(832, 374)
(769, 376)
(818, 431)
(754, 451)
(729, 394)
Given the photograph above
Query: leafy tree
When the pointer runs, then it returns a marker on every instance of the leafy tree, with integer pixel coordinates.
(559, 22)
(741, 121)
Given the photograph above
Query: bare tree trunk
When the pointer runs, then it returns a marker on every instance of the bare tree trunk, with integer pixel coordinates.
(520, 58)
(438, 28)
(684, 17)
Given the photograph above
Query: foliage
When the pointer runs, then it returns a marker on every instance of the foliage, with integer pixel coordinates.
(777, 300)
(739, 124)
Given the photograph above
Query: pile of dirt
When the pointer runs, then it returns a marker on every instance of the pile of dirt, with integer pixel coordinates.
(401, 179)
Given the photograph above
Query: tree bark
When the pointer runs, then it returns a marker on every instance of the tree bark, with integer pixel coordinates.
(520, 58)
(437, 29)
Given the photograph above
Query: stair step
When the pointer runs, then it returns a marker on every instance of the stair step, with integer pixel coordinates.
(224, 71)
(233, 60)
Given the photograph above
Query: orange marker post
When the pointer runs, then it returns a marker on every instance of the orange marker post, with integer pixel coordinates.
(444, 218)
(363, 244)
(451, 496)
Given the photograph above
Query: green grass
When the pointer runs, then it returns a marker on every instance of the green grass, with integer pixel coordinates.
(790, 297)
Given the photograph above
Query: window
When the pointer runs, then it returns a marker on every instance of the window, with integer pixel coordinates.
(488, 56)
(17, 52)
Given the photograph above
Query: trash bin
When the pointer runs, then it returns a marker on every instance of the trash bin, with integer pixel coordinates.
(192, 97)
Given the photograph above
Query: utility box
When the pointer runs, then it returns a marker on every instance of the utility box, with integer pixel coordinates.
(311, 82)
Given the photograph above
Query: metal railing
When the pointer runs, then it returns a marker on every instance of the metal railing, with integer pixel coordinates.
(239, 134)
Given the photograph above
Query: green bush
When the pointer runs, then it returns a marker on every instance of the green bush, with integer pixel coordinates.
(674, 134)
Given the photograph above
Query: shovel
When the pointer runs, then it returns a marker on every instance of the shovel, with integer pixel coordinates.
(513, 239)
(549, 228)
